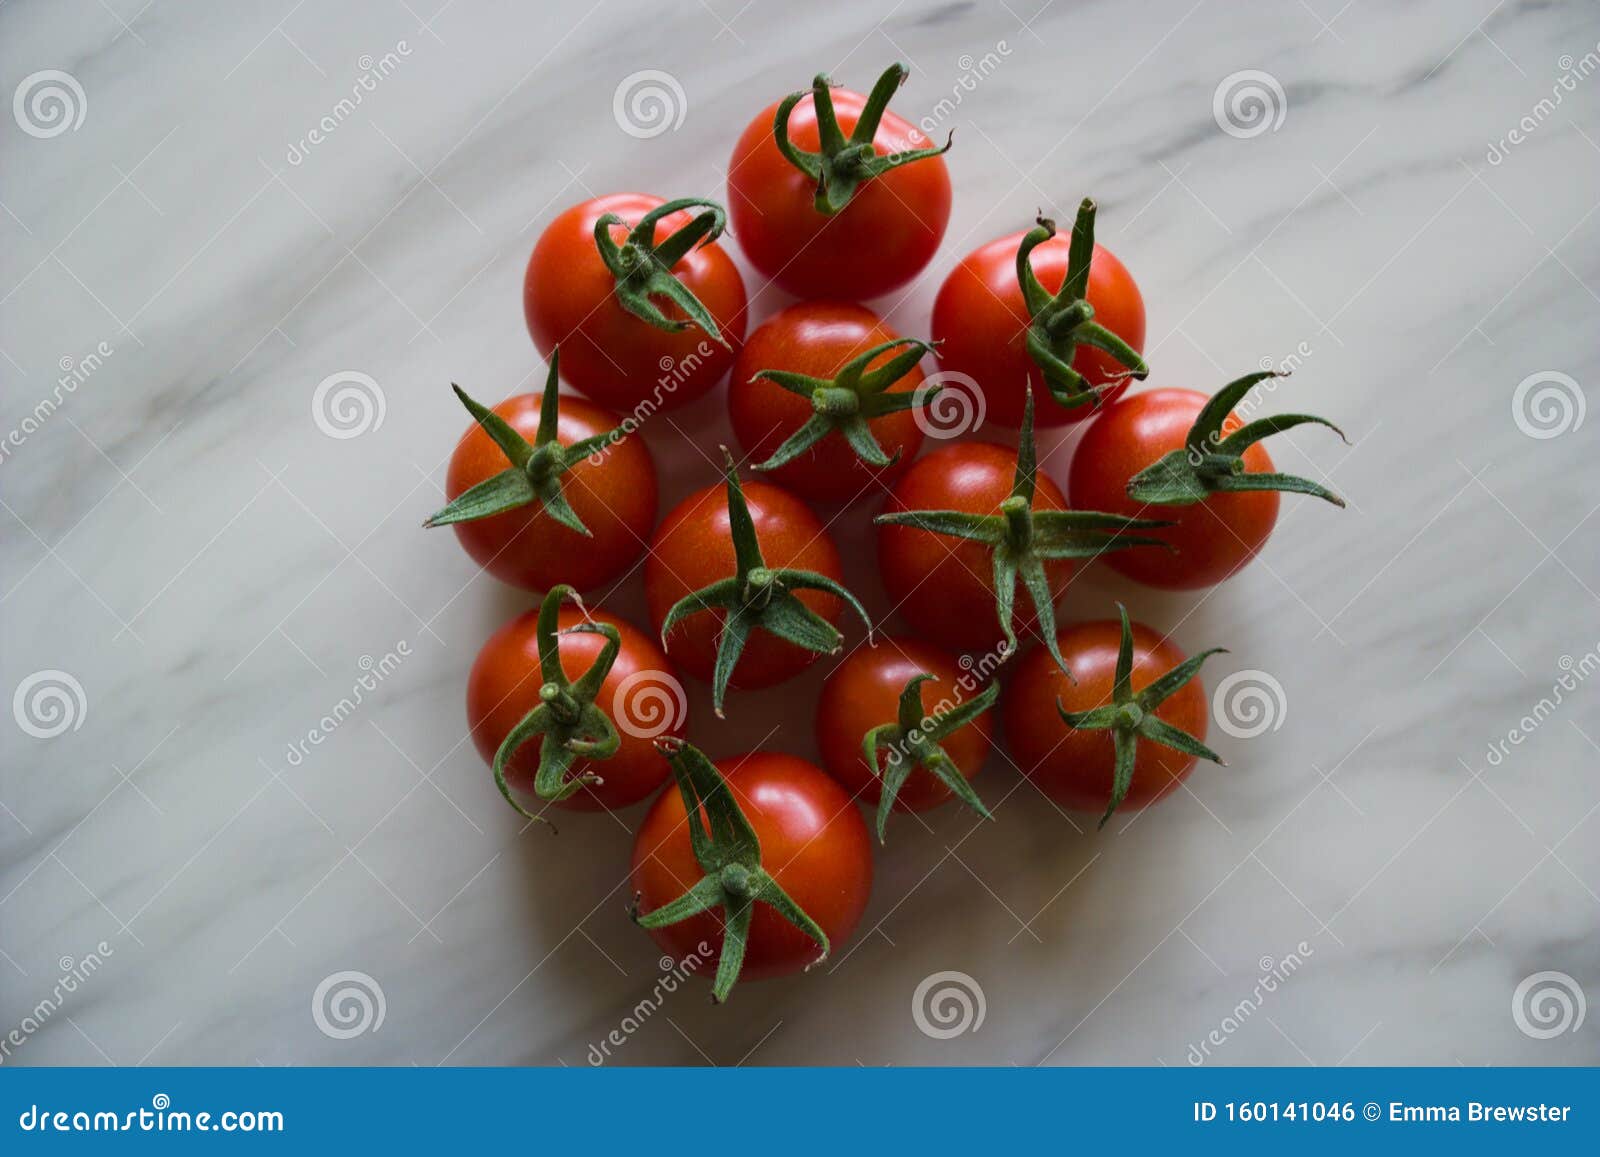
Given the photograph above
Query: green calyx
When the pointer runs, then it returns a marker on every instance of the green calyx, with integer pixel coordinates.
(1131, 717)
(1211, 462)
(569, 725)
(848, 401)
(1063, 321)
(1022, 539)
(536, 469)
(913, 741)
(726, 847)
(758, 596)
(643, 267)
(844, 164)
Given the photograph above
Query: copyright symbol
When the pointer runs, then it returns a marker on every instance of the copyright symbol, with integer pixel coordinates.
(1370, 1112)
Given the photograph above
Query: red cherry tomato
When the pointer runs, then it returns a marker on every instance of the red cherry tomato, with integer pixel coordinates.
(817, 338)
(1212, 538)
(612, 356)
(813, 841)
(980, 320)
(614, 497)
(943, 586)
(880, 240)
(641, 695)
(693, 548)
(1074, 768)
(864, 692)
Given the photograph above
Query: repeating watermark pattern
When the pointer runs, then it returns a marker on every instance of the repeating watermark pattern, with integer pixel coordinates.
(1249, 703)
(674, 372)
(648, 103)
(957, 407)
(973, 72)
(1548, 1004)
(74, 974)
(1576, 671)
(1249, 103)
(1284, 366)
(374, 672)
(975, 673)
(348, 1004)
(1548, 404)
(674, 974)
(49, 703)
(373, 73)
(1572, 71)
(48, 103)
(74, 372)
(348, 404)
(1273, 975)
(947, 1004)
(649, 703)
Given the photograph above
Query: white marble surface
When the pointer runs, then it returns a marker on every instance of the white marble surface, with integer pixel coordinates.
(181, 538)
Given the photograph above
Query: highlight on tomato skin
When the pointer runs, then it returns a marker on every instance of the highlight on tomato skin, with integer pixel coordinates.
(812, 840)
(1075, 767)
(818, 339)
(641, 694)
(610, 354)
(883, 237)
(863, 693)
(614, 496)
(980, 319)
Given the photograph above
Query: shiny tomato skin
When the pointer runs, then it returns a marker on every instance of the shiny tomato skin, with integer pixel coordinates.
(863, 692)
(503, 686)
(1074, 768)
(610, 355)
(693, 548)
(813, 841)
(942, 586)
(880, 240)
(980, 319)
(615, 498)
(817, 338)
(1212, 539)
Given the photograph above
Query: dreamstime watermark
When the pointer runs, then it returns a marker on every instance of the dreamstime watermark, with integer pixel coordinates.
(975, 673)
(674, 974)
(373, 672)
(160, 1117)
(674, 372)
(1575, 672)
(974, 71)
(1249, 703)
(947, 1004)
(956, 405)
(48, 103)
(1274, 974)
(1547, 1004)
(49, 703)
(1548, 404)
(1248, 103)
(348, 1004)
(1572, 71)
(348, 404)
(373, 72)
(649, 703)
(74, 372)
(74, 974)
(648, 103)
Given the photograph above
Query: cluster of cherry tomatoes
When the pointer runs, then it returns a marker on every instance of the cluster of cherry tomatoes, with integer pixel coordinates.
(637, 307)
